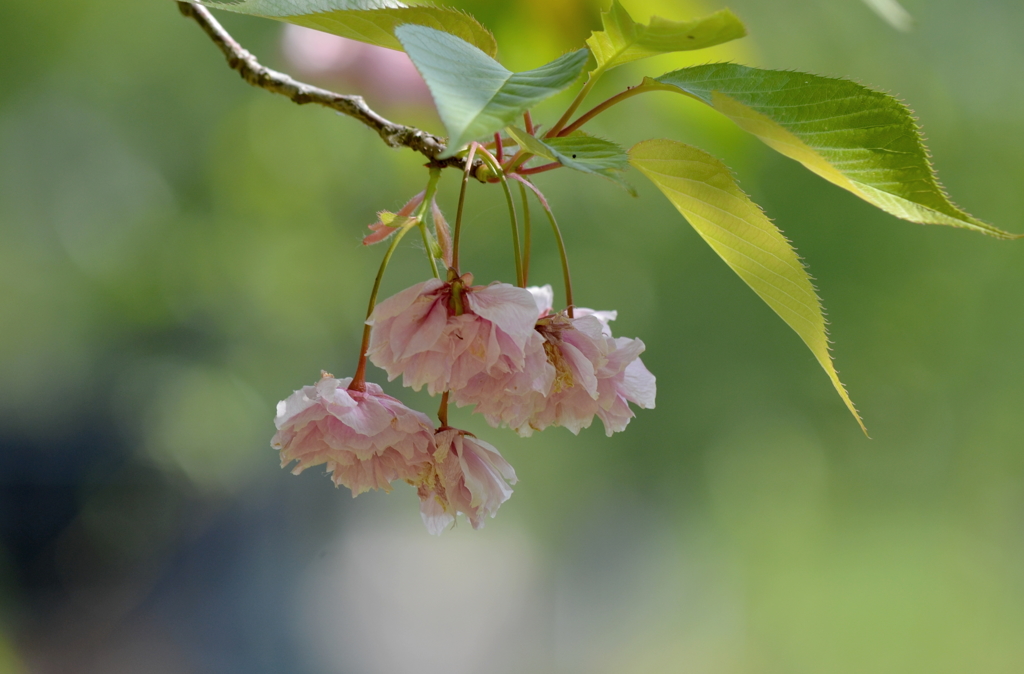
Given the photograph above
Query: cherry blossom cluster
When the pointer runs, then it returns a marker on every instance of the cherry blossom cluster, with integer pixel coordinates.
(499, 348)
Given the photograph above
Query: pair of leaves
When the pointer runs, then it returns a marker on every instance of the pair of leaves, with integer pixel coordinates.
(371, 21)
(862, 140)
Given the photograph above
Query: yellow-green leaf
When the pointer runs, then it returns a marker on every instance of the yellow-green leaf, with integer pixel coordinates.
(863, 140)
(624, 40)
(372, 21)
(703, 190)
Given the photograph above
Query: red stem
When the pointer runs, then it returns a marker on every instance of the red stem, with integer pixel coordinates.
(359, 378)
(601, 107)
(509, 167)
(539, 169)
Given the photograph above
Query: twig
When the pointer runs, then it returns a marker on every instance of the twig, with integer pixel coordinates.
(395, 135)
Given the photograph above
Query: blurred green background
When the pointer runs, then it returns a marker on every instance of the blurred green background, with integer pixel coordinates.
(178, 251)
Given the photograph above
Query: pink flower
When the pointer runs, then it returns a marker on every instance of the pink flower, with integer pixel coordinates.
(511, 399)
(466, 476)
(418, 334)
(579, 371)
(366, 438)
(597, 374)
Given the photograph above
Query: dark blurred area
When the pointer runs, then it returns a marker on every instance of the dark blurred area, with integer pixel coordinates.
(179, 250)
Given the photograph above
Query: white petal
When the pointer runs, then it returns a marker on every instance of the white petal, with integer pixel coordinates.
(544, 296)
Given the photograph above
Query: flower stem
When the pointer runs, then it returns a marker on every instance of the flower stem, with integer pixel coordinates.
(430, 253)
(527, 232)
(496, 167)
(528, 121)
(359, 378)
(428, 195)
(601, 107)
(566, 277)
(462, 203)
(564, 119)
(499, 152)
(442, 411)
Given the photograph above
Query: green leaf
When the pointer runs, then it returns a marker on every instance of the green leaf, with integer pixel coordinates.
(623, 40)
(372, 21)
(703, 190)
(475, 95)
(862, 140)
(580, 152)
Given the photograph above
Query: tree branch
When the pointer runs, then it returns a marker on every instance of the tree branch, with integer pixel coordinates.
(395, 135)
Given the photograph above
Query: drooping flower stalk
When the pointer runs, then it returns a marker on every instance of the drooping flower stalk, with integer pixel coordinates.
(430, 255)
(527, 234)
(359, 379)
(428, 199)
(495, 166)
(462, 204)
(566, 277)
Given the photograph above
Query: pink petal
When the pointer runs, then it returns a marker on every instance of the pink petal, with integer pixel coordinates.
(511, 309)
(397, 304)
